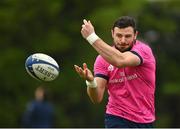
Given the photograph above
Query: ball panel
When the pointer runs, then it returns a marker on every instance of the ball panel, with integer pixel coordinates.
(28, 61)
(31, 73)
(40, 56)
(45, 72)
(39, 61)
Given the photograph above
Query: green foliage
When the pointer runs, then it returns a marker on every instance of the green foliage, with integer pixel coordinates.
(53, 27)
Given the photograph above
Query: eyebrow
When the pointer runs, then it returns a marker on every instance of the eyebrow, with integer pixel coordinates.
(123, 34)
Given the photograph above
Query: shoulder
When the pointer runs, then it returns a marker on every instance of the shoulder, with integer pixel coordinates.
(99, 57)
(101, 60)
(143, 50)
(140, 44)
(31, 106)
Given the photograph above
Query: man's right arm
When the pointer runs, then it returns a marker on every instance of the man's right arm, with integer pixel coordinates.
(110, 54)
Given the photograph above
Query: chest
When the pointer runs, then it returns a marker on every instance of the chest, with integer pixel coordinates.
(122, 75)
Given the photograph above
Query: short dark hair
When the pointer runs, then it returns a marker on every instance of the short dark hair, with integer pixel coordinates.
(125, 21)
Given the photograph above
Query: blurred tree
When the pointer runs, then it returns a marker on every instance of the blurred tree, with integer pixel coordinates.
(53, 27)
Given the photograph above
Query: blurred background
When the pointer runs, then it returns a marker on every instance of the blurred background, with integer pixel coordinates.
(53, 27)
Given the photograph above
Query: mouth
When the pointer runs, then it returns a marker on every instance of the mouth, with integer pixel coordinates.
(123, 48)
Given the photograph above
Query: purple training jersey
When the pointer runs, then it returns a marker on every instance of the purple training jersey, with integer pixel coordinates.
(131, 89)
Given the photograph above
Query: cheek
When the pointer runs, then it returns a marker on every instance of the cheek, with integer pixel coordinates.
(115, 39)
(131, 39)
(130, 42)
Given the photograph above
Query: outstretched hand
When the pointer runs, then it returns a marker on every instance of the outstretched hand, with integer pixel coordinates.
(87, 28)
(84, 72)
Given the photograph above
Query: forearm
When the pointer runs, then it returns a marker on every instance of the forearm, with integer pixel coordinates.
(95, 90)
(112, 55)
(93, 95)
(109, 53)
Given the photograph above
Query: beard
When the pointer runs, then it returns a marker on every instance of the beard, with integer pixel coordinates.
(121, 49)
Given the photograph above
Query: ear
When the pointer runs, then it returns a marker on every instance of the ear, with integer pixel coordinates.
(136, 34)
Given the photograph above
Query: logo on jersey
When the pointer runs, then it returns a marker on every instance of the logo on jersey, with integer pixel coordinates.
(110, 68)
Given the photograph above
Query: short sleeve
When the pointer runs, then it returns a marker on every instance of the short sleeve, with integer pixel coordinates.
(101, 68)
(144, 52)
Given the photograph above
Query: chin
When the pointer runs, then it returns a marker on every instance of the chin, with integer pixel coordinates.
(123, 49)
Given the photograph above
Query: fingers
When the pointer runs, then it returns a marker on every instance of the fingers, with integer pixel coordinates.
(87, 28)
(76, 68)
(84, 66)
(85, 69)
(80, 71)
(83, 29)
(84, 72)
(89, 22)
(85, 21)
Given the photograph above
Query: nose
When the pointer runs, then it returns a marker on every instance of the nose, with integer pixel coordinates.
(123, 39)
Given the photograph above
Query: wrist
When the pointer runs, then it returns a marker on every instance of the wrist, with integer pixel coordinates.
(91, 84)
(92, 38)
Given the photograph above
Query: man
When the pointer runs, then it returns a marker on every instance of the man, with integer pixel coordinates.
(39, 112)
(126, 70)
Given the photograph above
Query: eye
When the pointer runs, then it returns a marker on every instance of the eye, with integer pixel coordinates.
(119, 35)
(128, 36)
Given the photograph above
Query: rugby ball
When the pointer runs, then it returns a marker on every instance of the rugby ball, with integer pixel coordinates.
(42, 67)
